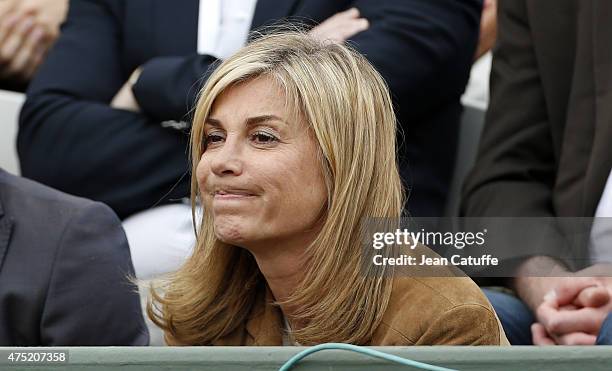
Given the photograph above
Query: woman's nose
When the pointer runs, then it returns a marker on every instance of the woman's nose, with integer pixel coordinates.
(228, 159)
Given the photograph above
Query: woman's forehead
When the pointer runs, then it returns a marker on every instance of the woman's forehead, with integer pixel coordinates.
(251, 95)
(257, 97)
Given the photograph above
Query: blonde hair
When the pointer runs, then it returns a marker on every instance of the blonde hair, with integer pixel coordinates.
(347, 106)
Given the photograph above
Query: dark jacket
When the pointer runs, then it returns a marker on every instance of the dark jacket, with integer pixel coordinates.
(72, 140)
(64, 266)
(545, 150)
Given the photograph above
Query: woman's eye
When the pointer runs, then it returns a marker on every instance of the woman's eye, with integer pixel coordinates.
(214, 138)
(263, 138)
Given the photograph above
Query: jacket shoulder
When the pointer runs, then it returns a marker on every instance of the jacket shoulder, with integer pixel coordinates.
(438, 311)
(21, 197)
(32, 206)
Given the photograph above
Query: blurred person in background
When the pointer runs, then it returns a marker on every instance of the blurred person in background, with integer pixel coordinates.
(28, 29)
(65, 271)
(107, 117)
(545, 152)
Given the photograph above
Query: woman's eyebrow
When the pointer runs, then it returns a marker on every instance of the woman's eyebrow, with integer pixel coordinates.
(213, 122)
(263, 118)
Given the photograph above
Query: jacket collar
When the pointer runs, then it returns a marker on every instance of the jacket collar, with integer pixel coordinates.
(264, 325)
(6, 227)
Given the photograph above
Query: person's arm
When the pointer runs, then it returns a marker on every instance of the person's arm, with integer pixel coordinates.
(90, 299)
(167, 87)
(515, 168)
(423, 48)
(414, 44)
(159, 80)
(71, 139)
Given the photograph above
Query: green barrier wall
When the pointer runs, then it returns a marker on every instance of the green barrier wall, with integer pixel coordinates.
(271, 358)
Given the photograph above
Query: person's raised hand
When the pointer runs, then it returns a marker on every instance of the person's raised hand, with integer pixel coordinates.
(125, 99)
(341, 26)
(28, 29)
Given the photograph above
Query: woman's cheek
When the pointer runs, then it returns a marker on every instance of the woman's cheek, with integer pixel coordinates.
(202, 172)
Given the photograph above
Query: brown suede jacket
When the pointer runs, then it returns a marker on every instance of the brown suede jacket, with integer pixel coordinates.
(422, 311)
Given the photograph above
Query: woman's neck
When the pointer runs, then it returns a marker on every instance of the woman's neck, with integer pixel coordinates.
(283, 265)
(283, 271)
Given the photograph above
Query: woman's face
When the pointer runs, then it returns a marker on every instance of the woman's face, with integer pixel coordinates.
(259, 174)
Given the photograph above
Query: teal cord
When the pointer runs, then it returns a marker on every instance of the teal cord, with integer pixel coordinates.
(370, 352)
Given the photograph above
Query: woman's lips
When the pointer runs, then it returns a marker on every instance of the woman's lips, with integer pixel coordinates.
(232, 195)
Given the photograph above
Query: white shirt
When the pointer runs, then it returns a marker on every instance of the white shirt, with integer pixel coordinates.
(223, 26)
(601, 232)
(477, 90)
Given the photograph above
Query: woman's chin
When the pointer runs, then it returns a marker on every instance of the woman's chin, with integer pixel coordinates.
(230, 233)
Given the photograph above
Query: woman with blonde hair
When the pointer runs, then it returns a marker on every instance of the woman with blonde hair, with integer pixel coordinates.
(293, 146)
